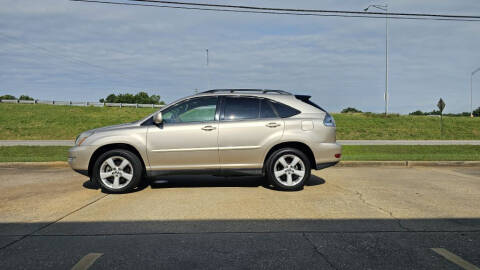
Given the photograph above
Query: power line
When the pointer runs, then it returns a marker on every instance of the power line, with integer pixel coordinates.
(56, 54)
(306, 10)
(363, 15)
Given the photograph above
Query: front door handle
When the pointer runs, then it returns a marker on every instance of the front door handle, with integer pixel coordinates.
(209, 128)
(272, 125)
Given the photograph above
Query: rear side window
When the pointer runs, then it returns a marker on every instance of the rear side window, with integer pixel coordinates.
(285, 111)
(266, 109)
(238, 108)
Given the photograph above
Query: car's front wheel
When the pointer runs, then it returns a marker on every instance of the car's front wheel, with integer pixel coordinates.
(288, 169)
(118, 171)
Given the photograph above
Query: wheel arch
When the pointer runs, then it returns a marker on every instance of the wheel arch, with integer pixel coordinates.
(292, 144)
(109, 147)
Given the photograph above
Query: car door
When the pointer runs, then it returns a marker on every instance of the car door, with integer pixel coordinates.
(187, 138)
(248, 127)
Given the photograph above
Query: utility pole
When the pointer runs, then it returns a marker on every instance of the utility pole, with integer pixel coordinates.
(384, 8)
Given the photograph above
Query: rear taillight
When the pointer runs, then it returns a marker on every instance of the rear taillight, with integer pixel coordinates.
(328, 120)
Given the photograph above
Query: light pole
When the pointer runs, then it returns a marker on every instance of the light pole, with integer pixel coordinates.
(208, 72)
(471, 90)
(384, 8)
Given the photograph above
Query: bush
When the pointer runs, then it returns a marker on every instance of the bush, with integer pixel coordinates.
(351, 110)
(140, 98)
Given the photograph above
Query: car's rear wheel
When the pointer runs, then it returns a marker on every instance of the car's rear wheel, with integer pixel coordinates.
(118, 171)
(288, 169)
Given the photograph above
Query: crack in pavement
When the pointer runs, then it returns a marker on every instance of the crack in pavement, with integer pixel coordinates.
(318, 251)
(360, 196)
(53, 222)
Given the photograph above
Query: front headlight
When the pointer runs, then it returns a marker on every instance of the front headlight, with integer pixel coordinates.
(82, 137)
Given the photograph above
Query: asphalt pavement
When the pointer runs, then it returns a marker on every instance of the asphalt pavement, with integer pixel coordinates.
(345, 218)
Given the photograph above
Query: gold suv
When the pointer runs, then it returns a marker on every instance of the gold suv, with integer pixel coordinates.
(219, 132)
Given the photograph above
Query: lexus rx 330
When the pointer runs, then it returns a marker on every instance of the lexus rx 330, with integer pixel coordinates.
(220, 132)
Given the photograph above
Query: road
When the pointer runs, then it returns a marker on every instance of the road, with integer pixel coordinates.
(343, 142)
(345, 218)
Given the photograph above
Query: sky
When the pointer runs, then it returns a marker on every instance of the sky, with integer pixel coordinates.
(63, 50)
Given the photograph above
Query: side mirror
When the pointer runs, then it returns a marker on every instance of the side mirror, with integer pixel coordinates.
(157, 118)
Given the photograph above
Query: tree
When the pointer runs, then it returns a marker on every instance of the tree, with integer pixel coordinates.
(7, 97)
(139, 98)
(25, 97)
(351, 110)
(417, 112)
(441, 105)
(476, 112)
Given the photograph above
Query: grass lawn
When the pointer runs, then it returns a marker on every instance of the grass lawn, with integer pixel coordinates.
(411, 152)
(407, 127)
(33, 153)
(350, 152)
(49, 122)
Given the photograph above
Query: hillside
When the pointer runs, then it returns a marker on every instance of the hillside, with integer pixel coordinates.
(48, 122)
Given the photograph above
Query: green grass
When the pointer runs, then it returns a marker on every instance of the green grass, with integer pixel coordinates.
(405, 127)
(350, 152)
(48, 122)
(33, 153)
(411, 152)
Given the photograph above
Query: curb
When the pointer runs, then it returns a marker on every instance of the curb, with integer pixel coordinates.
(49, 164)
(408, 163)
(63, 164)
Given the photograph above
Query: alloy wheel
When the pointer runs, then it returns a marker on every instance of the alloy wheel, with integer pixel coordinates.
(289, 170)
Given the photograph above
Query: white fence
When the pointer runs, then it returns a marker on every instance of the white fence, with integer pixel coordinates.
(76, 103)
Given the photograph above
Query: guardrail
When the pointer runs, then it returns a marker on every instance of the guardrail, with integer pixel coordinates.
(77, 103)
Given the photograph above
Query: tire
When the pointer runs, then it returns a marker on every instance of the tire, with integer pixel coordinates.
(126, 167)
(284, 177)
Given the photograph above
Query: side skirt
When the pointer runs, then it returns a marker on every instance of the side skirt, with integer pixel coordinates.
(224, 172)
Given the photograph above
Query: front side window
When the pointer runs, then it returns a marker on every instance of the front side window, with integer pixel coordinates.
(194, 110)
(240, 108)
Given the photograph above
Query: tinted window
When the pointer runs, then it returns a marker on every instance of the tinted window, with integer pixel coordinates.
(266, 110)
(285, 111)
(307, 100)
(241, 108)
(193, 110)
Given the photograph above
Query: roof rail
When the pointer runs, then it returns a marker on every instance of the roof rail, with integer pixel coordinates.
(263, 91)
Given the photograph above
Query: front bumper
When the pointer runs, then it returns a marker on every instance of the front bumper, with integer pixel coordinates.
(79, 158)
(326, 165)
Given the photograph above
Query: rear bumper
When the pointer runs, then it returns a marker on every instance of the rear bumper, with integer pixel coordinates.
(327, 154)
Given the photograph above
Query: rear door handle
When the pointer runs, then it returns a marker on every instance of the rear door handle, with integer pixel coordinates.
(209, 128)
(272, 125)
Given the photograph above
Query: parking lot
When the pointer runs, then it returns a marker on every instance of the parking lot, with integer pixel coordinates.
(345, 218)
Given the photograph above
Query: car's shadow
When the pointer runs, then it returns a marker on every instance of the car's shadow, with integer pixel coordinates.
(201, 181)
